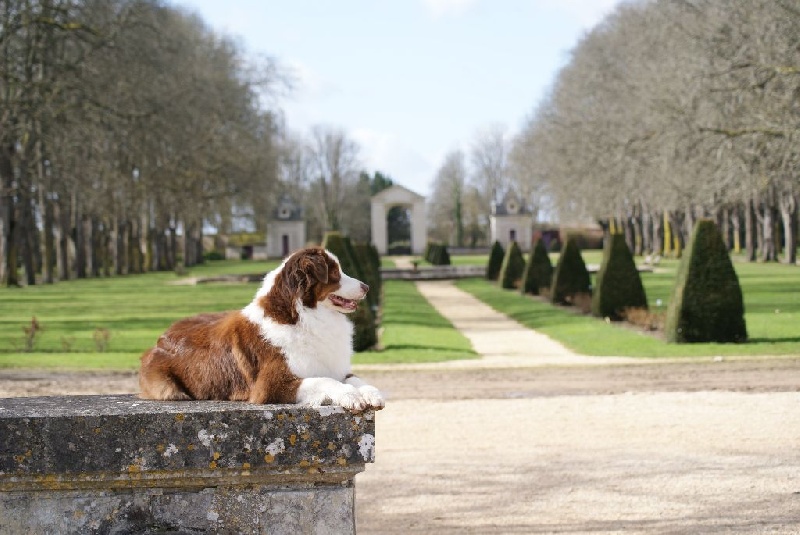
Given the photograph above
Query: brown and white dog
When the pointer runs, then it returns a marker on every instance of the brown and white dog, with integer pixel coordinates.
(291, 344)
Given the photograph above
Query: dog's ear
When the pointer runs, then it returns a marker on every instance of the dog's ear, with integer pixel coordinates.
(317, 268)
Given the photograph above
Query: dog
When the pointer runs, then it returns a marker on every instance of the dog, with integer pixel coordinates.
(291, 344)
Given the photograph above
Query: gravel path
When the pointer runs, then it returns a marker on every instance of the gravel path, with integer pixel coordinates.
(546, 441)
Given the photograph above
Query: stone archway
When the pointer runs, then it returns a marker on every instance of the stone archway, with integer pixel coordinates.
(383, 201)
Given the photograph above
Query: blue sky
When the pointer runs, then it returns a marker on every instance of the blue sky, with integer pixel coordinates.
(409, 80)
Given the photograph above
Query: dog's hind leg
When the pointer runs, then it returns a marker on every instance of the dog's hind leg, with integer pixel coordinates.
(156, 382)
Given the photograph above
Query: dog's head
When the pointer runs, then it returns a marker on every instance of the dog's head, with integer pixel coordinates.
(312, 277)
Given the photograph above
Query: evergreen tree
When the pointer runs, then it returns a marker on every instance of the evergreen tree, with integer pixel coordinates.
(512, 268)
(365, 333)
(618, 284)
(570, 277)
(538, 271)
(495, 261)
(707, 303)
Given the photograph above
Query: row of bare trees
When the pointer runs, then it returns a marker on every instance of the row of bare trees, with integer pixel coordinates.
(126, 126)
(673, 110)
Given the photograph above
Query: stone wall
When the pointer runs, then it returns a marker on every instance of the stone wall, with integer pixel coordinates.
(118, 464)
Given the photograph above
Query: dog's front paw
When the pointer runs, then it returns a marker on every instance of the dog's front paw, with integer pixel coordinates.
(372, 397)
(351, 399)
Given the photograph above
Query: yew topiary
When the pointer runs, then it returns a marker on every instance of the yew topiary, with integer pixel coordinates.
(707, 303)
(513, 265)
(364, 333)
(618, 284)
(538, 271)
(370, 269)
(570, 278)
(495, 261)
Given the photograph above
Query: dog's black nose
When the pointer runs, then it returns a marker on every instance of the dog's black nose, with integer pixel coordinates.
(364, 287)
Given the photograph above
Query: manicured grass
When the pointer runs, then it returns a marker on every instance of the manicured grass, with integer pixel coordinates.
(772, 308)
(134, 310)
(414, 331)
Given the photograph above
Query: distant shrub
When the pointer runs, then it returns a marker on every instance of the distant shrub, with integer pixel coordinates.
(495, 261)
(371, 270)
(365, 333)
(214, 255)
(513, 265)
(538, 272)
(571, 280)
(438, 255)
(618, 284)
(427, 254)
(707, 303)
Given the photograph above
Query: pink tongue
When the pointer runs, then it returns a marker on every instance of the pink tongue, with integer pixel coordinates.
(342, 302)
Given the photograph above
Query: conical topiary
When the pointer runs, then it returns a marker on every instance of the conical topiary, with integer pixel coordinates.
(538, 271)
(495, 261)
(618, 284)
(707, 303)
(364, 333)
(370, 270)
(570, 278)
(512, 268)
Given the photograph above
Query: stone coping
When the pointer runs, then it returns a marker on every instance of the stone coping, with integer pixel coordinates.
(77, 442)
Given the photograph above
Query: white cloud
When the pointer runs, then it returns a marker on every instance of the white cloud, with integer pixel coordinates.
(442, 8)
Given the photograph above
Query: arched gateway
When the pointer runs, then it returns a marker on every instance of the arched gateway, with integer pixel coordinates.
(384, 201)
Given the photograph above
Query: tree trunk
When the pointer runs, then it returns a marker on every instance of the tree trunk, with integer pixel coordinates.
(736, 223)
(724, 224)
(749, 231)
(647, 232)
(120, 249)
(768, 250)
(49, 240)
(678, 233)
(657, 241)
(62, 254)
(788, 206)
(27, 230)
(8, 242)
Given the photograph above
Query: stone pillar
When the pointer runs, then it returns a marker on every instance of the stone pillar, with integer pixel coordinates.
(419, 227)
(378, 217)
(118, 464)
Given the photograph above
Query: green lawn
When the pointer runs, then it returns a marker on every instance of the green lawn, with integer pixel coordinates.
(772, 304)
(133, 311)
(414, 331)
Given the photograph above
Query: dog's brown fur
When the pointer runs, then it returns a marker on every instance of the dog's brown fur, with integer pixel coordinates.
(223, 356)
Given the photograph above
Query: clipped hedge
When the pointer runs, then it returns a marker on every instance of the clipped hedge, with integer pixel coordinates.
(496, 257)
(512, 268)
(570, 278)
(365, 333)
(437, 254)
(371, 269)
(538, 272)
(707, 303)
(618, 284)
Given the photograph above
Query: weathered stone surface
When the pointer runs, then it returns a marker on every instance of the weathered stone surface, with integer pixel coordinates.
(118, 464)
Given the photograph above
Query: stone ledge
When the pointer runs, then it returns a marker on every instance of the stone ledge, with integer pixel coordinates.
(123, 441)
(118, 464)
